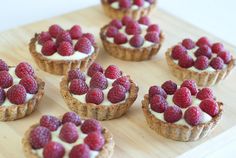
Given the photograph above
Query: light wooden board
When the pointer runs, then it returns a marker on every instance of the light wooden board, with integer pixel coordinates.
(132, 135)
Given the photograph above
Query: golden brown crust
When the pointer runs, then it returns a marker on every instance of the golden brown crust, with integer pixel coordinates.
(119, 13)
(59, 67)
(14, 112)
(179, 132)
(130, 54)
(202, 78)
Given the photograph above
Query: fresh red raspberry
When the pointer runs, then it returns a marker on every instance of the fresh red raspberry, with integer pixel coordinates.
(78, 87)
(65, 49)
(193, 115)
(2, 96)
(112, 72)
(154, 28)
(158, 103)
(186, 61)
(30, 84)
(172, 114)
(24, 69)
(201, 63)
(191, 85)
(136, 41)
(111, 31)
(217, 48)
(144, 21)
(91, 125)
(39, 137)
(71, 117)
(217, 63)
(182, 97)
(188, 43)
(63, 36)
(133, 28)
(75, 32)
(54, 30)
(6, 79)
(116, 94)
(226, 56)
(94, 95)
(120, 38)
(210, 106)
(116, 23)
(95, 141)
(126, 19)
(90, 37)
(152, 37)
(95, 67)
(203, 50)
(3, 65)
(17, 94)
(125, 4)
(80, 151)
(169, 87)
(99, 81)
(178, 51)
(139, 3)
(156, 90)
(50, 122)
(83, 45)
(205, 93)
(69, 133)
(123, 81)
(76, 74)
(53, 150)
(44, 37)
(203, 41)
(49, 48)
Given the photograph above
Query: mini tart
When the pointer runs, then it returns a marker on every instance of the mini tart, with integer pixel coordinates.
(119, 13)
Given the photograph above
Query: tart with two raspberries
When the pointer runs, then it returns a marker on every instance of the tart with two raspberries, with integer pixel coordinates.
(205, 62)
(20, 91)
(133, 8)
(98, 93)
(132, 40)
(68, 136)
(57, 50)
(182, 113)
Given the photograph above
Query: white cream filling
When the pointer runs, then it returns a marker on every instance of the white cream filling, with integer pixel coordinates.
(115, 5)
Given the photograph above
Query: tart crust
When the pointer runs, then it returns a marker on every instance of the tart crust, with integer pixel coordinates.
(14, 112)
(59, 67)
(130, 54)
(119, 13)
(202, 78)
(179, 132)
(99, 112)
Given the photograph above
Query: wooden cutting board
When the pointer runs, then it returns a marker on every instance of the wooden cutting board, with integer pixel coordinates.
(132, 135)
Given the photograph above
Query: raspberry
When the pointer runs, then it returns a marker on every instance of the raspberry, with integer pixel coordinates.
(156, 90)
(3, 65)
(95, 67)
(205, 93)
(24, 69)
(91, 125)
(39, 137)
(95, 95)
(188, 43)
(50, 122)
(69, 133)
(76, 74)
(158, 103)
(186, 61)
(98, 81)
(75, 32)
(65, 49)
(63, 36)
(225, 56)
(169, 87)
(80, 151)
(44, 37)
(133, 28)
(201, 63)
(144, 21)
(112, 72)
(125, 4)
(90, 37)
(83, 45)
(210, 106)
(123, 81)
(217, 48)
(191, 85)
(16, 94)
(71, 117)
(172, 114)
(193, 115)
(217, 63)
(49, 48)
(136, 41)
(178, 51)
(30, 84)
(54, 30)
(154, 28)
(139, 3)
(78, 87)
(203, 50)
(126, 19)
(95, 141)
(6, 79)
(203, 41)
(116, 94)
(182, 97)
(152, 37)
(116, 23)
(111, 31)
(2, 96)
(53, 150)
(120, 38)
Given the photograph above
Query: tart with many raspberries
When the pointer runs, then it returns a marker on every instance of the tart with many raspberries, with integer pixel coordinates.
(182, 113)
(98, 93)
(133, 8)
(67, 137)
(20, 91)
(132, 40)
(205, 62)
(57, 50)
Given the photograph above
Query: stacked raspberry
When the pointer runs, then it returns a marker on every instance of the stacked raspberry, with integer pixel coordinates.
(99, 86)
(202, 55)
(70, 137)
(17, 84)
(173, 103)
(127, 4)
(65, 42)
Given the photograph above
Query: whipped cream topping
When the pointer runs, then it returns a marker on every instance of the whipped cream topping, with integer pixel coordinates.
(115, 5)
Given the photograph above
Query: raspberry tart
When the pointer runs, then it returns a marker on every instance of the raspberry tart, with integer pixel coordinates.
(205, 62)
(182, 113)
(57, 50)
(69, 137)
(132, 40)
(20, 91)
(98, 93)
